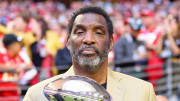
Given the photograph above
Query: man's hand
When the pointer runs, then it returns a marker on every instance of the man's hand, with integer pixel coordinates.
(149, 46)
(168, 26)
(19, 70)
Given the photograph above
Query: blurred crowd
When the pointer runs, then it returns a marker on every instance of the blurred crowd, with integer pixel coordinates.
(33, 36)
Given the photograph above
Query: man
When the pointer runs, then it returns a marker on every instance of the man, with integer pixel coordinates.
(12, 65)
(129, 51)
(128, 48)
(151, 32)
(90, 39)
(63, 60)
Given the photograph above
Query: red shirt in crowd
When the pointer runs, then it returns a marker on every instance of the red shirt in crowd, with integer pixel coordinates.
(8, 85)
(154, 68)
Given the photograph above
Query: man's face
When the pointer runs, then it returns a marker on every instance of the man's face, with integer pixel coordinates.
(16, 47)
(89, 42)
(148, 20)
(20, 24)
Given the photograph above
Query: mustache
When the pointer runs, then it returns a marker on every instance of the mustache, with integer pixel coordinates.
(83, 47)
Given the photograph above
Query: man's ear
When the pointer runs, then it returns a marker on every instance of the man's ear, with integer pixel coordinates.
(67, 43)
(111, 44)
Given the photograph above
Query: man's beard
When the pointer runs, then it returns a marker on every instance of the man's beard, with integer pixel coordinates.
(88, 63)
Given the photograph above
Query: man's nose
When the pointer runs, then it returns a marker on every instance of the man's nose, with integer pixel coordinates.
(89, 38)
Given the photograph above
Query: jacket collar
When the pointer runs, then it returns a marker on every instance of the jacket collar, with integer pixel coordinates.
(110, 75)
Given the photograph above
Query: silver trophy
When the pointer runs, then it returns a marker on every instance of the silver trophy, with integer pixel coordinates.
(75, 88)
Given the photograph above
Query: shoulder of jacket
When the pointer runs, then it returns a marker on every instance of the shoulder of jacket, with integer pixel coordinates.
(42, 84)
(131, 79)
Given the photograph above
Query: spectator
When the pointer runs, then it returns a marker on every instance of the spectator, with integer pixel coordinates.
(20, 25)
(150, 35)
(13, 66)
(63, 60)
(39, 51)
(41, 56)
(55, 38)
(169, 44)
(128, 48)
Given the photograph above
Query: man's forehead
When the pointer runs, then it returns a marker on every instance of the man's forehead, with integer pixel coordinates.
(90, 19)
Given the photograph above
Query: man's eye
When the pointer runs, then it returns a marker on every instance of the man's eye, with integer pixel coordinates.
(79, 32)
(99, 33)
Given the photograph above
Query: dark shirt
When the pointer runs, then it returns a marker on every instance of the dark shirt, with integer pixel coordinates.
(63, 59)
(104, 85)
(127, 50)
(36, 58)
